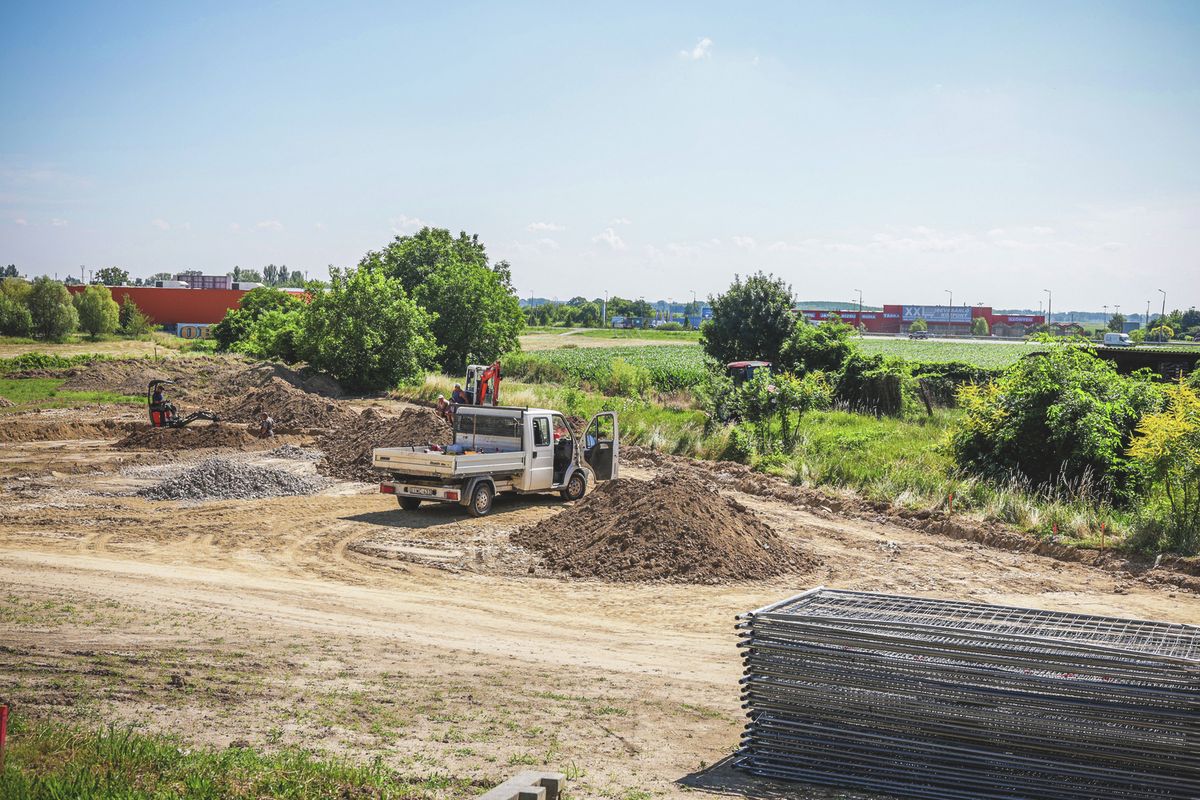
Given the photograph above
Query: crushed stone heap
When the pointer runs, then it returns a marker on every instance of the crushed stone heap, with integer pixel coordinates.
(227, 479)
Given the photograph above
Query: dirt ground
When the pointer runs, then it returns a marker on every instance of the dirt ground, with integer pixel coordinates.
(339, 622)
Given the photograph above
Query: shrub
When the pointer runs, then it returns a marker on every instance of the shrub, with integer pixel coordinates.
(671, 326)
(1167, 445)
(14, 317)
(918, 325)
(98, 313)
(750, 320)
(627, 380)
(1062, 419)
(979, 327)
(132, 320)
(817, 348)
(51, 311)
(275, 334)
(877, 385)
(238, 322)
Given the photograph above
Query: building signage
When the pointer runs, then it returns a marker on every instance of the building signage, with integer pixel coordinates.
(937, 313)
(193, 330)
(1010, 318)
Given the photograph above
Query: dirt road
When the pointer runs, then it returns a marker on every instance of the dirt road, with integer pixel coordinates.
(340, 622)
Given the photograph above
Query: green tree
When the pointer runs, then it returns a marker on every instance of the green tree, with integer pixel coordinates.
(751, 320)
(275, 333)
(366, 331)
(1062, 420)
(16, 289)
(112, 276)
(1161, 333)
(1167, 444)
(1189, 319)
(9, 272)
(14, 317)
(812, 348)
(476, 315)
(1116, 322)
(132, 321)
(51, 310)
(98, 313)
(919, 324)
(979, 327)
(235, 326)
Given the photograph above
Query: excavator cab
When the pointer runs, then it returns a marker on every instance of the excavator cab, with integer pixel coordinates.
(483, 384)
(742, 371)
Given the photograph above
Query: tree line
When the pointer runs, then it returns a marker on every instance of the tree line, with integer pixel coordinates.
(45, 309)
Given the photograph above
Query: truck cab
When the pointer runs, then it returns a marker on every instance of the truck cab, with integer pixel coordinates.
(503, 449)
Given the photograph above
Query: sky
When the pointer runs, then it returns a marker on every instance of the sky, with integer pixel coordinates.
(910, 150)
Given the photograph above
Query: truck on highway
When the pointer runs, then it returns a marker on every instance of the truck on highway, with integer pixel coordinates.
(502, 449)
(1117, 340)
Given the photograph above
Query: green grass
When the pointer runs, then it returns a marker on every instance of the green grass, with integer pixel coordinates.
(670, 368)
(989, 355)
(640, 333)
(29, 393)
(48, 761)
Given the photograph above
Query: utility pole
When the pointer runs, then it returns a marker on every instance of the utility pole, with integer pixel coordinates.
(859, 318)
(1162, 316)
(1049, 305)
(948, 308)
(604, 311)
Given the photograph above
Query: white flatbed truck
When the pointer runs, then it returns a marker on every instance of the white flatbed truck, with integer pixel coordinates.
(502, 449)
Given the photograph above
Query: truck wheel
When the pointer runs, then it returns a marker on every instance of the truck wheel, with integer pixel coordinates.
(409, 503)
(481, 499)
(576, 487)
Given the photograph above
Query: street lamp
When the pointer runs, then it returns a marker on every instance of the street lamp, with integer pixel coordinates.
(859, 318)
(1162, 315)
(948, 307)
(1049, 305)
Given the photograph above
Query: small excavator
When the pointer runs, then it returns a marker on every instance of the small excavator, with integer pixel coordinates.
(483, 384)
(163, 413)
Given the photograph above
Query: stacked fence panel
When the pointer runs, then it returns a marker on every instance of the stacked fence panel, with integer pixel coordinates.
(941, 699)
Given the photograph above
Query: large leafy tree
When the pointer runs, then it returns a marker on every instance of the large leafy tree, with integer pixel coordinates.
(236, 325)
(750, 320)
(112, 276)
(51, 310)
(14, 317)
(813, 348)
(366, 331)
(98, 313)
(476, 313)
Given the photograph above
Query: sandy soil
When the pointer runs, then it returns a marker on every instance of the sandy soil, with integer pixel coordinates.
(340, 622)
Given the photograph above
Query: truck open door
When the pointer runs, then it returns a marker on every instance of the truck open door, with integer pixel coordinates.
(601, 446)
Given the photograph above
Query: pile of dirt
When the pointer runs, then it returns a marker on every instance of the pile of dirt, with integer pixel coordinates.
(288, 406)
(5, 402)
(673, 529)
(224, 479)
(196, 378)
(35, 428)
(147, 438)
(348, 447)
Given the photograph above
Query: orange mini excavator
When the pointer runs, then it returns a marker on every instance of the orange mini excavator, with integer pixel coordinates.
(483, 384)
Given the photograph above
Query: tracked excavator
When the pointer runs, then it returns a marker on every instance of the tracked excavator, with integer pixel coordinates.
(163, 413)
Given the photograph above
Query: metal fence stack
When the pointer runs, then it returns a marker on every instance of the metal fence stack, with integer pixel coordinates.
(941, 699)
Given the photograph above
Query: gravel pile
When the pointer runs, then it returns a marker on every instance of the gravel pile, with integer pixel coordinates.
(291, 451)
(225, 479)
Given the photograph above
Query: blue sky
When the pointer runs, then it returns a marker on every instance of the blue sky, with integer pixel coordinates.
(991, 149)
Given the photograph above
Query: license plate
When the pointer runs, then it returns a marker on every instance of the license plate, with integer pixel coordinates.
(419, 490)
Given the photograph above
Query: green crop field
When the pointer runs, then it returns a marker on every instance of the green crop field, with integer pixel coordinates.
(671, 368)
(989, 355)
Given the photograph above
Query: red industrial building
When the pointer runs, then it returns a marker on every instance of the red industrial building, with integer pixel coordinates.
(171, 307)
(940, 319)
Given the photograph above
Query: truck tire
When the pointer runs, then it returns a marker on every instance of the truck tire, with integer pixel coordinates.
(481, 499)
(409, 503)
(576, 487)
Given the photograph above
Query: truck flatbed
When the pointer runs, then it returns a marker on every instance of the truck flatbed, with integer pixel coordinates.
(425, 462)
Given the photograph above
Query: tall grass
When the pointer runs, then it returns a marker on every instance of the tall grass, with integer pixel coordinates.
(49, 761)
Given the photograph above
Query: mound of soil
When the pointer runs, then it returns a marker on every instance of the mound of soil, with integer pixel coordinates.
(5, 402)
(196, 377)
(223, 479)
(147, 438)
(674, 529)
(26, 429)
(348, 447)
(288, 406)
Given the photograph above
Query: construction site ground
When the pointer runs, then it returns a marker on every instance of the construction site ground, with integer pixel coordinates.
(339, 622)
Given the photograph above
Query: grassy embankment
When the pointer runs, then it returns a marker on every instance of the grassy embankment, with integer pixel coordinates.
(32, 393)
(49, 761)
(899, 461)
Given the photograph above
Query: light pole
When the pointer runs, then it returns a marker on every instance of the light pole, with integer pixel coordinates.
(1117, 313)
(859, 318)
(604, 311)
(1162, 315)
(1049, 305)
(950, 306)
(1147, 320)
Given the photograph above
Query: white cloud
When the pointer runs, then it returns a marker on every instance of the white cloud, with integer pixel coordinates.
(547, 243)
(609, 237)
(544, 226)
(745, 242)
(1042, 230)
(320, 226)
(920, 239)
(58, 223)
(21, 221)
(406, 224)
(620, 221)
(234, 227)
(269, 225)
(161, 224)
(703, 49)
